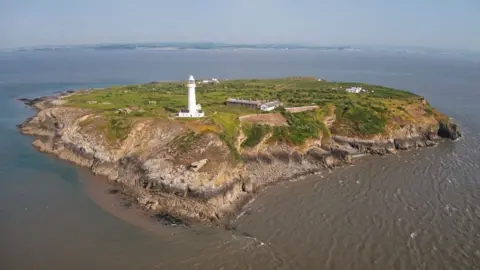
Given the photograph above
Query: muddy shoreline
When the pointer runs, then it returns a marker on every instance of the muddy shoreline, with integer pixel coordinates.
(133, 179)
(108, 196)
(117, 200)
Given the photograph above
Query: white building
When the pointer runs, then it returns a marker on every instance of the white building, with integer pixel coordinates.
(213, 80)
(355, 90)
(194, 109)
(270, 106)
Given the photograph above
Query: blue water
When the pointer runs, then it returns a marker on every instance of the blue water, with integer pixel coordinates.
(49, 221)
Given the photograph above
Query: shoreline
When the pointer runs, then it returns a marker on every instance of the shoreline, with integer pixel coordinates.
(173, 206)
(110, 197)
(107, 196)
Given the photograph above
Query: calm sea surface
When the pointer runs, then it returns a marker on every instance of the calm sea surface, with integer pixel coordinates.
(414, 210)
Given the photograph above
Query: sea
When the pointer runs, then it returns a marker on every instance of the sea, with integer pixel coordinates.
(417, 209)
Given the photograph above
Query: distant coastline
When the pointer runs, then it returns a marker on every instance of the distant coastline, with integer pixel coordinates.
(468, 55)
(186, 46)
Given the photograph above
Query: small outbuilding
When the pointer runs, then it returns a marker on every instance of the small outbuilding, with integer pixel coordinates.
(270, 106)
(355, 90)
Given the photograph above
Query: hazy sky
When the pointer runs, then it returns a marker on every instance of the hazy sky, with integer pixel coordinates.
(432, 23)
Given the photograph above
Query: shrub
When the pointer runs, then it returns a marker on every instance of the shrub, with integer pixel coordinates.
(379, 109)
(428, 111)
(301, 126)
(364, 121)
(255, 134)
(118, 129)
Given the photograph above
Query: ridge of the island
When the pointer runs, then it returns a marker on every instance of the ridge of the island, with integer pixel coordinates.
(203, 163)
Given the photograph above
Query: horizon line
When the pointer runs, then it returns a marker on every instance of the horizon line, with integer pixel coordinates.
(306, 45)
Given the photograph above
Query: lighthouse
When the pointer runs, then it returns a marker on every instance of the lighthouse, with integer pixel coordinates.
(192, 99)
(193, 109)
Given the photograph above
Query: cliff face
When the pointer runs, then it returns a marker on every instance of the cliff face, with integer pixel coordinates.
(162, 160)
(171, 169)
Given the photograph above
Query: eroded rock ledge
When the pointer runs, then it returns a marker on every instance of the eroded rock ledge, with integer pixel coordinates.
(179, 174)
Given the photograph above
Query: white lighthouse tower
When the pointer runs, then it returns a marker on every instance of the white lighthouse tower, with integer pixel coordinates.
(194, 109)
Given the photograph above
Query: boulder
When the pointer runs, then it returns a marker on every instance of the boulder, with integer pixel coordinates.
(330, 161)
(197, 165)
(247, 186)
(420, 144)
(431, 136)
(43, 147)
(381, 151)
(154, 205)
(429, 143)
(144, 199)
(402, 144)
(59, 125)
(124, 110)
(317, 153)
(390, 149)
(449, 131)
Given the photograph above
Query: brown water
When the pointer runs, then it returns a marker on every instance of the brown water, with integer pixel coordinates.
(411, 211)
(414, 210)
(380, 213)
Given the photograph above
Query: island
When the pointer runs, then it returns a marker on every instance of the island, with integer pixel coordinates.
(245, 135)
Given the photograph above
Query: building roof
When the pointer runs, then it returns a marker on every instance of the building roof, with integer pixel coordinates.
(272, 103)
(243, 101)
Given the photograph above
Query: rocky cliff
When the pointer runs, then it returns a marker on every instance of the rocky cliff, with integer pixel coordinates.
(171, 169)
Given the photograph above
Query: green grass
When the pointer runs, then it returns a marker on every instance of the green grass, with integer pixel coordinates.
(118, 128)
(172, 96)
(229, 123)
(357, 114)
(230, 128)
(429, 110)
(362, 120)
(114, 128)
(301, 126)
(254, 133)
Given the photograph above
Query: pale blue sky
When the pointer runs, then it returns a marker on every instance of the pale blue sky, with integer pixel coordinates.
(431, 23)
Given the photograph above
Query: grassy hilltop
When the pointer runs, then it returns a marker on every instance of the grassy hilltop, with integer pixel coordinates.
(363, 115)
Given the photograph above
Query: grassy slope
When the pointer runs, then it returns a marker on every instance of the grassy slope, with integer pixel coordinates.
(361, 115)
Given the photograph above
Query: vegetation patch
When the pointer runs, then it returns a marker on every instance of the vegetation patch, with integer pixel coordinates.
(254, 133)
(362, 114)
(118, 129)
(229, 124)
(186, 142)
(301, 126)
(361, 121)
(113, 128)
(160, 99)
(428, 110)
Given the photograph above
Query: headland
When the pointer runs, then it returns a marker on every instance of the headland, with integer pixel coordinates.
(255, 132)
